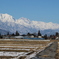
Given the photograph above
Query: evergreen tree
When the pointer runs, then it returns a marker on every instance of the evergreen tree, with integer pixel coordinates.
(13, 34)
(45, 36)
(28, 34)
(7, 33)
(39, 34)
(1, 36)
(57, 33)
(17, 34)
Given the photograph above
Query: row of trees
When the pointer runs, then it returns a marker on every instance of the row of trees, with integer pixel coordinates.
(34, 34)
(8, 34)
(16, 34)
(44, 36)
(54, 36)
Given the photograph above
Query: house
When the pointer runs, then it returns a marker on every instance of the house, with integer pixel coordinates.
(39, 36)
(18, 37)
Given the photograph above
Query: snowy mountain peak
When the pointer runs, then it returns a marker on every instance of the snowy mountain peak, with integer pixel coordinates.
(24, 25)
(23, 21)
(6, 18)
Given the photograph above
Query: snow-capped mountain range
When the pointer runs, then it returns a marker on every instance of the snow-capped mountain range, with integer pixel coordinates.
(24, 25)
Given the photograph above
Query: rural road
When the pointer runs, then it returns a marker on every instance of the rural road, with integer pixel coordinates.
(48, 53)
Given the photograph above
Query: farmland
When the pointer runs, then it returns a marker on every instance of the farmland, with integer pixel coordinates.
(22, 48)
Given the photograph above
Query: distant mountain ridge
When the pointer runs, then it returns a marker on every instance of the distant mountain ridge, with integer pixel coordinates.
(2, 32)
(24, 25)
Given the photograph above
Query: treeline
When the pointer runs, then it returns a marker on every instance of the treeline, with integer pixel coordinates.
(54, 36)
(32, 34)
(8, 34)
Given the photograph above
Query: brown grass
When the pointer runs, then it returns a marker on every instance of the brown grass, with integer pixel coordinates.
(23, 43)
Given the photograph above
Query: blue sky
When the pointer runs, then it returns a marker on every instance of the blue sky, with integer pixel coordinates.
(37, 10)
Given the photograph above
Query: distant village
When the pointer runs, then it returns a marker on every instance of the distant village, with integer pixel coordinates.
(38, 35)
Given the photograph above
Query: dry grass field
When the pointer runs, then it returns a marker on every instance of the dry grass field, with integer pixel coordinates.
(12, 48)
(21, 45)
